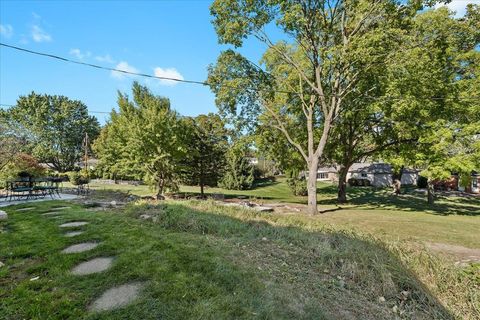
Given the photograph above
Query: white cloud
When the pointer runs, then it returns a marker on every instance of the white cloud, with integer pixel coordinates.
(124, 66)
(79, 54)
(6, 30)
(106, 58)
(459, 6)
(39, 35)
(167, 73)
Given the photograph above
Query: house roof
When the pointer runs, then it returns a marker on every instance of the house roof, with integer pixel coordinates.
(367, 167)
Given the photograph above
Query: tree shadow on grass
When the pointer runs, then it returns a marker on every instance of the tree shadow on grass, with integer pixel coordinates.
(308, 275)
(409, 201)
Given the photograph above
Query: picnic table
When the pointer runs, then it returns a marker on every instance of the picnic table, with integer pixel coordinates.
(28, 188)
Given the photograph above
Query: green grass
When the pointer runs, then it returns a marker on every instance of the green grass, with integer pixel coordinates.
(408, 217)
(204, 261)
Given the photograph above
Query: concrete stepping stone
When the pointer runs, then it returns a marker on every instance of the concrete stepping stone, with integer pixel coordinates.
(72, 234)
(25, 209)
(93, 266)
(73, 224)
(80, 247)
(51, 213)
(61, 208)
(117, 297)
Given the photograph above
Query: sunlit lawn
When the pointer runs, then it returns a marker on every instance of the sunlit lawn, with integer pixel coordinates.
(451, 220)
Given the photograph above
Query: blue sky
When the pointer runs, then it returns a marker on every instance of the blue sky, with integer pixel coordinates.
(165, 38)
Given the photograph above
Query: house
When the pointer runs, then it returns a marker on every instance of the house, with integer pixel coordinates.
(474, 186)
(379, 174)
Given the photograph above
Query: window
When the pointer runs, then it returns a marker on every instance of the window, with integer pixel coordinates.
(363, 175)
(474, 183)
(322, 175)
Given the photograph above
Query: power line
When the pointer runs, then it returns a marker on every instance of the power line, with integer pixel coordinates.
(204, 83)
(101, 67)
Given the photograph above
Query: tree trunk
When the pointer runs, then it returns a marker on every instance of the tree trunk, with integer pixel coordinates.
(160, 189)
(312, 186)
(342, 184)
(398, 175)
(430, 193)
(201, 190)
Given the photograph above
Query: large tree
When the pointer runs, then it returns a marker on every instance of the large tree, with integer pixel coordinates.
(207, 146)
(12, 140)
(56, 126)
(145, 139)
(435, 95)
(305, 80)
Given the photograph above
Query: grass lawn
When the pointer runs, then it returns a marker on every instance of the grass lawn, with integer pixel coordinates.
(451, 220)
(199, 260)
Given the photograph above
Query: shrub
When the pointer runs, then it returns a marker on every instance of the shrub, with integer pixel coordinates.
(24, 166)
(354, 182)
(297, 184)
(77, 178)
(239, 173)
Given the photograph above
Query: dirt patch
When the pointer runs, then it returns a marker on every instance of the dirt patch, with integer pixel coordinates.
(117, 297)
(462, 255)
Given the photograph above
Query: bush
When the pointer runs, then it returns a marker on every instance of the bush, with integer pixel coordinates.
(354, 182)
(239, 173)
(23, 166)
(422, 182)
(77, 178)
(297, 184)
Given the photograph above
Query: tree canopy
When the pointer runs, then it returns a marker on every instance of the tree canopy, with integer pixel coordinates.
(56, 128)
(207, 146)
(145, 140)
(305, 81)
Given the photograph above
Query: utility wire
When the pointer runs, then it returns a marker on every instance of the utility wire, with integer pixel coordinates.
(101, 67)
(204, 83)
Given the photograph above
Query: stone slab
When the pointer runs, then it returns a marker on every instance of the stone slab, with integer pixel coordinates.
(3, 215)
(72, 234)
(262, 209)
(93, 266)
(73, 224)
(51, 213)
(25, 209)
(61, 208)
(117, 297)
(80, 247)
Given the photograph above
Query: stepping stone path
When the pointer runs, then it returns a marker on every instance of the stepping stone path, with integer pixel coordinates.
(25, 209)
(81, 247)
(117, 297)
(72, 234)
(93, 266)
(113, 298)
(73, 224)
